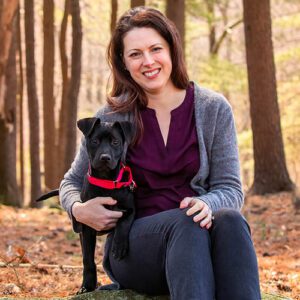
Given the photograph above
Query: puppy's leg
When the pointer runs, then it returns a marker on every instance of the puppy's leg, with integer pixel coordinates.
(88, 244)
(120, 244)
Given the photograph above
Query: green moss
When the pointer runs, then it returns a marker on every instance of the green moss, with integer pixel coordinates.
(273, 297)
(131, 295)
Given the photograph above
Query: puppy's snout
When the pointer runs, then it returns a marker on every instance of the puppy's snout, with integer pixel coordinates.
(105, 157)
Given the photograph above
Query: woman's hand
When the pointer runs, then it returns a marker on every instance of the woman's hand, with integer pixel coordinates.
(95, 215)
(196, 205)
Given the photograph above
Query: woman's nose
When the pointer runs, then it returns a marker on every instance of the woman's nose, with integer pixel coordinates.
(148, 59)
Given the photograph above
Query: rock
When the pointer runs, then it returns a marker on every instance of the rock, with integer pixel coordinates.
(117, 295)
(131, 295)
(273, 297)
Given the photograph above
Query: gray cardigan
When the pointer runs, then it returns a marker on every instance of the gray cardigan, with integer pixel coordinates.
(218, 180)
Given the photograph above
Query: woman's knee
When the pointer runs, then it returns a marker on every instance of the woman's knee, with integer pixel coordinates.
(184, 225)
(181, 220)
(230, 219)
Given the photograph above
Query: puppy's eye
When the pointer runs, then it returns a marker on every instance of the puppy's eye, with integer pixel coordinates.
(95, 142)
(115, 142)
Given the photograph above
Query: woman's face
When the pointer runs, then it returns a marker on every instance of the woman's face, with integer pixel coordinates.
(147, 58)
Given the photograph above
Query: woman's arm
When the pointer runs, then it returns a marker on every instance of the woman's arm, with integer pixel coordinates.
(217, 182)
(71, 185)
(224, 183)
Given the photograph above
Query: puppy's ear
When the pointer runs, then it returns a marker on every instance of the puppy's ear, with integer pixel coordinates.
(87, 125)
(127, 131)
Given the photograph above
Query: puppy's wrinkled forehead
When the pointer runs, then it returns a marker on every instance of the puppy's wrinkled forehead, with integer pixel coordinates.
(107, 125)
(103, 126)
(107, 128)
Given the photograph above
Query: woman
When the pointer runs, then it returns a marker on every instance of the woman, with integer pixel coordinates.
(189, 239)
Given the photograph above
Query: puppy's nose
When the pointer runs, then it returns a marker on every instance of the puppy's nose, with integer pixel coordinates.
(105, 157)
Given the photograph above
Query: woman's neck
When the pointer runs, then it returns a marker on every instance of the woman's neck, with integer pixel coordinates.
(166, 100)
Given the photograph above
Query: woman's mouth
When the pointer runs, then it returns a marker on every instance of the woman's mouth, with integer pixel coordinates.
(151, 74)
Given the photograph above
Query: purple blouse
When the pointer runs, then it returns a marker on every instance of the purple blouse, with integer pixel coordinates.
(163, 173)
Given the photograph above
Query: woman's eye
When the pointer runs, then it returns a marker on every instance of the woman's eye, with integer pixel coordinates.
(135, 55)
(156, 49)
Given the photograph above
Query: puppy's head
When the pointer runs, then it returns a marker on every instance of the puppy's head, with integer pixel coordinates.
(106, 143)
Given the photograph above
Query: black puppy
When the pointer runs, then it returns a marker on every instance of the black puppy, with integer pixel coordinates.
(107, 177)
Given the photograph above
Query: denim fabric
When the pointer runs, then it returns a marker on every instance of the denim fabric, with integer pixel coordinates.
(170, 254)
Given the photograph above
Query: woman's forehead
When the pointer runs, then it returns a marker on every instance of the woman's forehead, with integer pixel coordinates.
(142, 37)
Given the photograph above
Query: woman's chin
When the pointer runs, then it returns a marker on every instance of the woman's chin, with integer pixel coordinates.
(154, 87)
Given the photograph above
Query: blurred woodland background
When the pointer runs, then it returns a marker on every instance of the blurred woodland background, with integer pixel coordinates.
(53, 71)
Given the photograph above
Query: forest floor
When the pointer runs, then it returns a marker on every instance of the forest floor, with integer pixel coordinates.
(45, 254)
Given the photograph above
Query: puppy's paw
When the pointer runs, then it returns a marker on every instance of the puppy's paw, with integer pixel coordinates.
(119, 251)
(84, 290)
(89, 280)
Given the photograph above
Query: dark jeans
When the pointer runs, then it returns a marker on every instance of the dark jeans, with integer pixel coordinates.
(170, 254)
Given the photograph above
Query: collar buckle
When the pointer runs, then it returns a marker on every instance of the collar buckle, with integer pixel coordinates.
(132, 186)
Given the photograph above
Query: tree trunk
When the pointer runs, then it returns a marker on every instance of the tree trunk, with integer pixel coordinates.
(89, 79)
(20, 106)
(8, 9)
(217, 43)
(50, 164)
(134, 3)
(210, 5)
(270, 172)
(114, 12)
(73, 89)
(223, 8)
(176, 12)
(33, 108)
(61, 134)
(9, 190)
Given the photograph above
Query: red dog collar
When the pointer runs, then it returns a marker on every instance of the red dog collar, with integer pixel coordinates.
(114, 184)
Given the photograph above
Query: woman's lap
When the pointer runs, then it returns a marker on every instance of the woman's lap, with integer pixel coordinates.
(144, 269)
(168, 249)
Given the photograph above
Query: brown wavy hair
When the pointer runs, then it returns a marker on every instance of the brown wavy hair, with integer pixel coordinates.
(134, 97)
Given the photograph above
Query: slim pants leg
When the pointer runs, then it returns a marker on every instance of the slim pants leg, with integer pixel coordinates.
(168, 253)
(234, 258)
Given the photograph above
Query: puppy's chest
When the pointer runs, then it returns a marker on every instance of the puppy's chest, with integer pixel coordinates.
(90, 191)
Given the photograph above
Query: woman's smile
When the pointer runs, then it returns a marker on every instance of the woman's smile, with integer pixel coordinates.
(152, 73)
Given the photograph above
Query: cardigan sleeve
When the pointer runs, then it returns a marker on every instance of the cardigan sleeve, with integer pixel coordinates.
(71, 185)
(219, 185)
